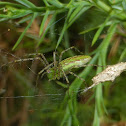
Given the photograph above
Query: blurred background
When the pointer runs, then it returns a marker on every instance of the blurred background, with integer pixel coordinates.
(95, 28)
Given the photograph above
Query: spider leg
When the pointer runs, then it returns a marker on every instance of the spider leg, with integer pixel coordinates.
(76, 76)
(65, 76)
(60, 58)
(54, 59)
(20, 60)
(38, 78)
(42, 57)
(45, 68)
(43, 74)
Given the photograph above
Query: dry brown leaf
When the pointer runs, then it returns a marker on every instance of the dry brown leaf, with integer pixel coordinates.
(109, 74)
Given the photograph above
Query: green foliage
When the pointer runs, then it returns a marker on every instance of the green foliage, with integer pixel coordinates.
(104, 21)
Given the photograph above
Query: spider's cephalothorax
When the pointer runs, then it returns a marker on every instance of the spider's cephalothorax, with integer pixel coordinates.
(55, 72)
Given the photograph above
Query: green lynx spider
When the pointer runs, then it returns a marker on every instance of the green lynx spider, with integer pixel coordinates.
(59, 69)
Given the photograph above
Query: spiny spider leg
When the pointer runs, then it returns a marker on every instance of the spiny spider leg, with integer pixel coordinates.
(42, 55)
(45, 68)
(43, 59)
(42, 72)
(76, 76)
(55, 63)
(60, 58)
(93, 65)
(54, 59)
(7, 53)
(38, 78)
(20, 60)
(65, 76)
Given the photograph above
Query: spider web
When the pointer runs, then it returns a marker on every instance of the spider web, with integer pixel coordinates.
(19, 94)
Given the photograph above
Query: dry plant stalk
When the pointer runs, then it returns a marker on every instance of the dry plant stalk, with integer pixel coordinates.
(109, 74)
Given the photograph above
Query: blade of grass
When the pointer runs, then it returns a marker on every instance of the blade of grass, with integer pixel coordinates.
(99, 31)
(102, 58)
(52, 34)
(103, 5)
(29, 17)
(43, 22)
(98, 95)
(26, 3)
(14, 13)
(46, 3)
(12, 4)
(66, 118)
(77, 10)
(46, 30)
(112, 29)
(66, 25)
(95, 27)
(123, 55)
(124, 5)
(56, 3)
(22, 35)
(64, 28)
(20, 14)
(72, 109)
(70, 3)
(78, 15)
(96, 121)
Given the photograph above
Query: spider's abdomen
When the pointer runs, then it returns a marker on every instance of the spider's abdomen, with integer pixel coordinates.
(74, 62)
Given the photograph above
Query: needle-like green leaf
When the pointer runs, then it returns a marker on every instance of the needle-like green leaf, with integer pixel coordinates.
(26, 3)
(23, 33)
(123, 55)
(99, 31)
(56, 3)
(64, 28)
(47, 28)
(77, 10)
(43, 22)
